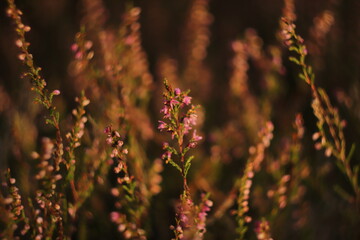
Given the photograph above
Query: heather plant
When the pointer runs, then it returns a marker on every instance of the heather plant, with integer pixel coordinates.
(252, 166)
(329, 124)
(179, 120)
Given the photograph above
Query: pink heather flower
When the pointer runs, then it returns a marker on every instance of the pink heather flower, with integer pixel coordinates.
(74, 47)
(192, 144)
(162, 125)
(166, 155)
(173, 102)
(187, 125)
(78, 55)
(193, 118)
(165, 111)
(56, 92)
(114, 153)
(107, 130)
(88, 44)
(177, 91)
(196, 137)
(184, 219)
(19, 43)
(165, 145)
(109, 140)
(187, 100)
(27, 28)
(189, 122)
(114, 216)
(22, 56)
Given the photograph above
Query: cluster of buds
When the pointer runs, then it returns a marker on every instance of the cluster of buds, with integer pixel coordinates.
(127, 217)
(184, 218)
(129, 230)
(118, 153)
(14, 204)
(21, 29)
(262, 230)
(239, 78)
(191, 218)
(292, 40)
(244, 196)
(47, 171)
(82, 51)
(257, 154)
(15, 199)
(77, 132)
(114, 139)
(203, 209)
(155, 178)
(280, 193)
(174, 101)
(330, 135)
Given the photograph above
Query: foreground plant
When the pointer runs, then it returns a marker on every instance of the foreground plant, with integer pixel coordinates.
(330, 125)
(179, 119)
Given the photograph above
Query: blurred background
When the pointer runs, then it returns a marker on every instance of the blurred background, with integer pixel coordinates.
(331, 29)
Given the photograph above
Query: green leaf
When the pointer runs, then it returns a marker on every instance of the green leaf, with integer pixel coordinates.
(174, 164)
(351, 153)
(309, 70)
(302, 59)
(312, 77)
(49, 121)
(126, 188)
(187, 165)
(342, 193)
(302, 76)
(294, 49)
(57, 116)
(356, 170)
(295, 60)
(51, 95)
(341, 167)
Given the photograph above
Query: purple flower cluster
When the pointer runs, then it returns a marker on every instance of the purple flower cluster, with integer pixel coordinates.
(191, 218)
(174, 101)
(204, 208)
(179, 118)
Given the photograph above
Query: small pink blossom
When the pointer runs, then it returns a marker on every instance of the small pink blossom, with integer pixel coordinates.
(19, 43)
(173, 102)
(165, 111)
(114, 216)
(107, 130)
(27, 28)
(166, 155)
(165, 145)
(187, 100)
(162, 125)
(78, 55)
(196, 137)
(74, 47)
(22, 56)
(109, 140)
(177, 91)
(56, 92)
